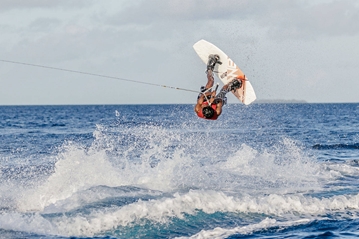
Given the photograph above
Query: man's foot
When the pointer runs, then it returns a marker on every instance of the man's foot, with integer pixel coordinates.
(212, 61)
(235, 84)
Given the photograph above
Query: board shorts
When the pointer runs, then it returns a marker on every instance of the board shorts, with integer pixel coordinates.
(221, 96)
(202, 90)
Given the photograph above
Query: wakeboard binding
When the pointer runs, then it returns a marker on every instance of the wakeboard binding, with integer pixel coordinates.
(212, 61)
(235, 84)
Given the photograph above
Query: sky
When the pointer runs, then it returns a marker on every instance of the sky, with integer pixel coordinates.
(289, 50)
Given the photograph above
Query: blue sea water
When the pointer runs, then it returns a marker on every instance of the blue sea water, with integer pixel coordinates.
(158, 171)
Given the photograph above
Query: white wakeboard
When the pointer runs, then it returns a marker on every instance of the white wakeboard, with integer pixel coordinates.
(227, 71)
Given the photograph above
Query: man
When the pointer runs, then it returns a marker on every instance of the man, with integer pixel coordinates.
(209, 105)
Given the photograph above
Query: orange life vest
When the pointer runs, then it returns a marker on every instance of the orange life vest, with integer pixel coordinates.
(213, 106)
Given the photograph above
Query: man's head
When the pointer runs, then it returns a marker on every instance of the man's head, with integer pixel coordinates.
(208, 112)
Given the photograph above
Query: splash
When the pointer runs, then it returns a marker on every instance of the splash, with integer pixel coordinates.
(75, 170)
(149, 156)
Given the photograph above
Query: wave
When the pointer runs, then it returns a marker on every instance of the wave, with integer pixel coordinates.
(245, 230)
(165, 209)
(179, 206)
(335, 146)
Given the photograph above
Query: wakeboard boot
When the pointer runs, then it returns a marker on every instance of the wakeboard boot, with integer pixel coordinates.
(235, 84)
(212, 61)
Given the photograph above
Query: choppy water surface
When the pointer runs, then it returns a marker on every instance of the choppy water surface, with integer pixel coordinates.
(157, 171)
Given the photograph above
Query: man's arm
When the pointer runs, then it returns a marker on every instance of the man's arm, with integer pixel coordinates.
(219, 108)
(198, 106)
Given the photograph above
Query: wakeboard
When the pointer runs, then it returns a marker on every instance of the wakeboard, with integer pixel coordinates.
(227, 71)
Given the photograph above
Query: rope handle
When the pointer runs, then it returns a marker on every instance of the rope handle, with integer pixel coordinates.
(210, 89)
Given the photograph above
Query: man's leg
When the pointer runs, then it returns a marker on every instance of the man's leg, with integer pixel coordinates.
(221, 96)
(210, 82)
(210, 79)
(233, 85)
(212, 61)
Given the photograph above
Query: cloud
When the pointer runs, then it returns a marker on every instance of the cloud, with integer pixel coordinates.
(44, 24)
(148, 12)
(6, 5)
(330, 18)
(284, 19)
(152, 41)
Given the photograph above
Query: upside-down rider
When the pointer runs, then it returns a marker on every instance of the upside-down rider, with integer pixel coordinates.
(209, 105)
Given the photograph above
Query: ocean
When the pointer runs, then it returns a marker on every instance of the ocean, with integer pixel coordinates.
(158, 171)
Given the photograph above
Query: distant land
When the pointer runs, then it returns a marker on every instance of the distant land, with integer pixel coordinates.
(279, 101)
